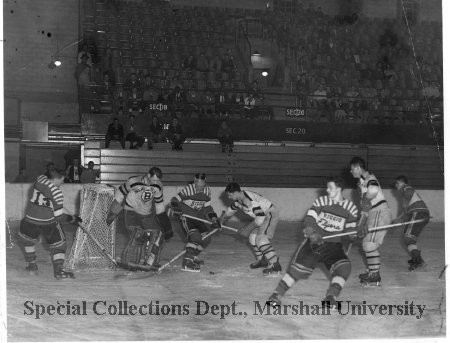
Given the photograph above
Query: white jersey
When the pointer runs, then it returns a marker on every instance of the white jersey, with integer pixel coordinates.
(371, 188)
(255, 206)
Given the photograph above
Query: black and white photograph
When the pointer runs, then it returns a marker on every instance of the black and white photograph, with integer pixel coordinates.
(210, 170)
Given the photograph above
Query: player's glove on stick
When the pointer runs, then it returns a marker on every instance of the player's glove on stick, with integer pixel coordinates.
(362, 229)
(176, 209)
(215, 222)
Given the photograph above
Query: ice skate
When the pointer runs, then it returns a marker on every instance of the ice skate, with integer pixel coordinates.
(198, 261)
(190, 266)
(372, 280)
(274, 300)
(63, 274)
(274, 270)
(32, 268)
(416, 262)
(330, 302)
(262, 263)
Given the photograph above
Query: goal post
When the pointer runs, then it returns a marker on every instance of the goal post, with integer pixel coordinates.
(94, 206)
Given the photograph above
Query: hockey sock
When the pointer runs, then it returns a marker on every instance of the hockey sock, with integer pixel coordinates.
(337, 283)
(30, 253)
(412, 248)
(269, 253)
(373, 260)
(256, 251)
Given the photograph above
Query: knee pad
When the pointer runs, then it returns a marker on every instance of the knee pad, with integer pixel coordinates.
(409, 239)
(369, 246)
(205, 242)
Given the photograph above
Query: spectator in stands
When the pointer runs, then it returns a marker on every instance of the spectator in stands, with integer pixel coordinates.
(227, 65)
(177, 98)
(83, 72)
(85, 52)
(203, 63)
(74, 171)
(156, 132)
(150, 94)
(430, 90)
(189, 62)
(209, 102)
(340, 115)
(352, 94)
(134, 101)
(136, 141)
(132, 82)
(176, 135)
(216, 64)
(225, 137)
(255, 90)
(22, 177)
(193, 100)
(249, 105)
(222, 102)
(89, 174)
(115, 133)
(106, 87)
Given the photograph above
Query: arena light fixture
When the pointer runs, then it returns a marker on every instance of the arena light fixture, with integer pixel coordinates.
(265, 73)
(256, 53)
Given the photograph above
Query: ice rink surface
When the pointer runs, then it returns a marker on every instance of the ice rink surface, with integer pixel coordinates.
(226, 279)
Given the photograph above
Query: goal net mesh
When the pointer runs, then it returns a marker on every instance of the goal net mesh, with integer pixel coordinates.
(85, 253)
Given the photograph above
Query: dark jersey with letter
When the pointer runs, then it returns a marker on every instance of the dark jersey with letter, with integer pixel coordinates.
(140, 194)
(411, 201)
(192, 200)
(46, 202)
(330, 217)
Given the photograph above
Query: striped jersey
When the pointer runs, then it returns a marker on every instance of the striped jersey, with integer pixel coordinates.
(46, 202)
(196, 200)
(255, 206)
(332, 216)
(370, 184)
(139, 194)
(411, 201)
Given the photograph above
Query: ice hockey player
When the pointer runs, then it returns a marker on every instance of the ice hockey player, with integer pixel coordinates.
(329, 214)
(414, 208)
(148, 227)
(374, 212)
(195, 200)
(43, 216)
(261, 230)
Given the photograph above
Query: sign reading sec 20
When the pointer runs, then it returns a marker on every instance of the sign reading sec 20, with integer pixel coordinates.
(295, 112)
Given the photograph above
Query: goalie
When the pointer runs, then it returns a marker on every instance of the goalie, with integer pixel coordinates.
(141, 198)
(195, 200)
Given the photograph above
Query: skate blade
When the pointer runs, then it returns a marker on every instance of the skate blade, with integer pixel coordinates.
(371, 284)
(418, 268)
(190, 270)
(272, 274)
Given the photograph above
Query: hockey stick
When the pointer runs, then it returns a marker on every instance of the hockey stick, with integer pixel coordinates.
(208, 222)
(378, 228)
(177, 256)
(102, 249)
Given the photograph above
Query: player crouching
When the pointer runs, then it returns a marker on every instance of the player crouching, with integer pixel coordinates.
(142, 199)
(195, 200)
(414, 208)
(329, 214)
(261, 230)
(43, 215)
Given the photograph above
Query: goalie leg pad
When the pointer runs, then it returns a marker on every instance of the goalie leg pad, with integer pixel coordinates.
(153, 251)
(133, 251)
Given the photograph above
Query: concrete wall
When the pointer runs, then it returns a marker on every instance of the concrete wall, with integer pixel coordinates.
(294, 202)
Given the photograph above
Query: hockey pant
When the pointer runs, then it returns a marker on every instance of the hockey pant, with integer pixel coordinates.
(412, 231)
(145, 240)
(195, 230)
(52, 233)
(307, 257)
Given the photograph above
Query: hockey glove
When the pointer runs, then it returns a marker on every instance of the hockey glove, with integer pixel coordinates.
(215, 224)
(164, 221)
(176, 209)
(363, 229)
(75, 220)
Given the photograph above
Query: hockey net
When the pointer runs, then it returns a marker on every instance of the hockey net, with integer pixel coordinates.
(85, 253)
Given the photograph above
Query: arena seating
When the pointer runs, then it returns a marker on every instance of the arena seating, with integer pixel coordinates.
(268, 166)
